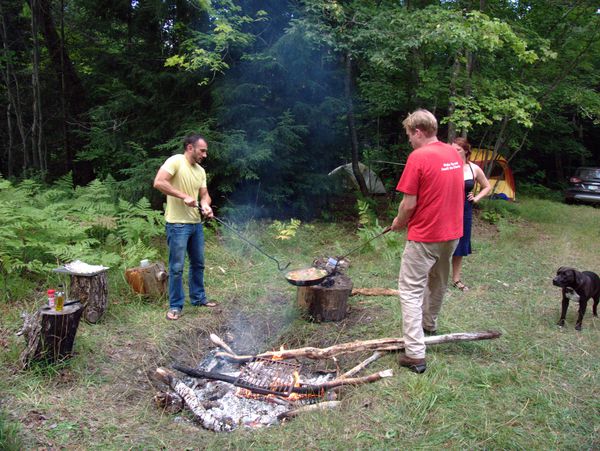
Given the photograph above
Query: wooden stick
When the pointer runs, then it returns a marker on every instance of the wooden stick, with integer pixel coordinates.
(374, 292)
(356, 380)
(379, 344)
(220, 343)
(310, 408)
(376, 355)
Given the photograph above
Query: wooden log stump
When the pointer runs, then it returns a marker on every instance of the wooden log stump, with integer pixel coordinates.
(148, 280)
(50, 335)
(326, 303)
(92, 292)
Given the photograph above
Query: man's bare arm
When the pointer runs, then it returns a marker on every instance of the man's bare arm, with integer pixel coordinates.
(162, 182)
(205, 202)
(405, 211)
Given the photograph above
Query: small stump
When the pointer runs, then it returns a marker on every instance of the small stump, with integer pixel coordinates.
(92, 292)
(149, 280)
(327, 301)
(50, 334)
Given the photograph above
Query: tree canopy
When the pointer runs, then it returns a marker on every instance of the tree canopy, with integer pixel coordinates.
(286, 91)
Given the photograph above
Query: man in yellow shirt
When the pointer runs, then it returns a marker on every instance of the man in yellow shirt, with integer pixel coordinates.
(183, 180)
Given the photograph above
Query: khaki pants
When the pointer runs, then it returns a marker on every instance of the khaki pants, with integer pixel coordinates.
(422, 283)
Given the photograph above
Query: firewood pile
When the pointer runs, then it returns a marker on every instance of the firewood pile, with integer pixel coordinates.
(228, 391)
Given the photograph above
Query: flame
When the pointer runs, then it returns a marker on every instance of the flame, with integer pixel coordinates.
(275, 356)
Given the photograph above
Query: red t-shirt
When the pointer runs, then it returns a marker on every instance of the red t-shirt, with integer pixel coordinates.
(434, 173)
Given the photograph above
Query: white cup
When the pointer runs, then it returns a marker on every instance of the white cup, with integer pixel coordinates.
(144, 263)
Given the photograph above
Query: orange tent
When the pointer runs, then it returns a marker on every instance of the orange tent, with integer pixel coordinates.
(501, 178)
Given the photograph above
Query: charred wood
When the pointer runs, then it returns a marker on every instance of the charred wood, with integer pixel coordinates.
(206, 419)
(303, 389)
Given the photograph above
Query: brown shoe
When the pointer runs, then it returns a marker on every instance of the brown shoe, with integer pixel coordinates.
(415, 365)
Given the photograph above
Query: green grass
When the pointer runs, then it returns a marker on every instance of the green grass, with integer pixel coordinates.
(536, 387)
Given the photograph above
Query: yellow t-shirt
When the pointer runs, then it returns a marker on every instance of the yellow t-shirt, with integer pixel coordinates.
(189, 179)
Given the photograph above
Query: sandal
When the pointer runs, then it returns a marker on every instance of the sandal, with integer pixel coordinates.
(206, 304)
(173, 314)
(461, 286)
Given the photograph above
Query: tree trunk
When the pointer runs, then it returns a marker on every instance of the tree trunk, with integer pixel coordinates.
(36, 124)
(50, 334)
(453, 93)
(326, 303)
(12, 93)
(352, 127)
(76, 96)
(92, 292)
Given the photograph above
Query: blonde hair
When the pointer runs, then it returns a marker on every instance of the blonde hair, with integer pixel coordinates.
(422, 120)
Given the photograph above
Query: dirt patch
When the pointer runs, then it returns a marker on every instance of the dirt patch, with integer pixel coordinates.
(483, 229)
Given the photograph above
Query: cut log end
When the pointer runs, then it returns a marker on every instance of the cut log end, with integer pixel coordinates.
(164, 375)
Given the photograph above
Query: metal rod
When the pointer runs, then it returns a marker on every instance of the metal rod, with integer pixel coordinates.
(386, 230)
(242, 237)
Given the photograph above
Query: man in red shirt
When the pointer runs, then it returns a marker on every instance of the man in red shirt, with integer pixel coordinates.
(432, 209)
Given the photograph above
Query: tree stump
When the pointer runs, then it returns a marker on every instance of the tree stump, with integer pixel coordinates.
(148, 280)
(92, 292)
(50, 335)
(327, 301)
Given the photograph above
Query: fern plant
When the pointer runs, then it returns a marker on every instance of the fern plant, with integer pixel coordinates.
(44, 227)
(285, 231)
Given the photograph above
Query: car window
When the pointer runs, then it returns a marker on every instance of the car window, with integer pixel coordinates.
(589, 173)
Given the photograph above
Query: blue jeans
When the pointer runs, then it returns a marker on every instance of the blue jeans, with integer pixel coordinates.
(182, 238)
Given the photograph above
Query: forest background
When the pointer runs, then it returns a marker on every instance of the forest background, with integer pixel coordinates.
(285, 91)
(96, 94)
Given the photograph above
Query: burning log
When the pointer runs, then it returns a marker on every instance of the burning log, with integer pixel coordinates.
(380, 344)
(207, 420)
(304, 389)
(374, 292)
(310, 408)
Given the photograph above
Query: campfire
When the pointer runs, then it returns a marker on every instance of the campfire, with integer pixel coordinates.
(227, 390)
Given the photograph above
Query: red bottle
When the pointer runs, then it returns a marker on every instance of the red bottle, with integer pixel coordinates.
(51, 298)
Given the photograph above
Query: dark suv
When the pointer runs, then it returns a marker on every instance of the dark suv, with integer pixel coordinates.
(584, 186)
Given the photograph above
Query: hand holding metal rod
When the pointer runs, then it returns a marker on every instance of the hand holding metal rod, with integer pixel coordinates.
(338, 259)
(242, 237)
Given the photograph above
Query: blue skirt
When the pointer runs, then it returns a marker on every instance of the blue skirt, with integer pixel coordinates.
(464, 245)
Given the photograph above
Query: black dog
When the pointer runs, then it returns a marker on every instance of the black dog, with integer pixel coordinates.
(577, 286)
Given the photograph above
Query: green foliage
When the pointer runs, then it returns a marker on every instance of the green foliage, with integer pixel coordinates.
(285, 231)
(366, 217)
(493, 210)
(389, 246)
(206, 51)
(539, 191)
(42, 228)
(9, 433)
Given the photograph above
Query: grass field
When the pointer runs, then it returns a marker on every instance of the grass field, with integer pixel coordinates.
(536, 387)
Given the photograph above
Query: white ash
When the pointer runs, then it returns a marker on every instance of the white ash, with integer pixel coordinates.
(240, 411)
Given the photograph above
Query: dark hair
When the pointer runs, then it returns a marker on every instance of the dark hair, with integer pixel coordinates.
(464, 144)
(192, 139)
